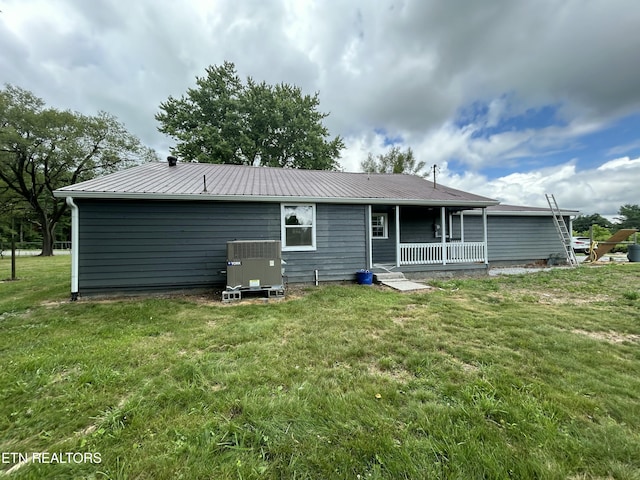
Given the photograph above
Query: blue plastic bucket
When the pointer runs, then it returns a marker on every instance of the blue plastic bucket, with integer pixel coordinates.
(364, 277)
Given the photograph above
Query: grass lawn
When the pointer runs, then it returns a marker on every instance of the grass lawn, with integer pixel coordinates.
(533, 376)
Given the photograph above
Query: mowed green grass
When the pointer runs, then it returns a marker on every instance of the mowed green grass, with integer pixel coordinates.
(533, 376)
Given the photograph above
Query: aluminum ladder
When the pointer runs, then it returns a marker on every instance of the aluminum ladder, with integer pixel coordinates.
(563, 231)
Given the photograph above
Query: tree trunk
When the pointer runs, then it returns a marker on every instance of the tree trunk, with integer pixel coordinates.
(48, 237)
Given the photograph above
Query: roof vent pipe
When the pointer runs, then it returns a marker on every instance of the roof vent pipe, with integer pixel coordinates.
(172, 160)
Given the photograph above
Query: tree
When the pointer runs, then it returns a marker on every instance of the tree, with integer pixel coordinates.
(223, 120)
(582, 222)
(629, 216)
(394, 161)
(42, 149)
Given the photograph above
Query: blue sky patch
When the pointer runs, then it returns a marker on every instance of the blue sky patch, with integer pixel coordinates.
(388, 141)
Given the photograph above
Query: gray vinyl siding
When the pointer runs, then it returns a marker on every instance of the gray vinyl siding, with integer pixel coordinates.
(132, 246)
(514, 238)
(417, 224)
(127, 246)
(137, 246)
(384, 249)
(340, 246)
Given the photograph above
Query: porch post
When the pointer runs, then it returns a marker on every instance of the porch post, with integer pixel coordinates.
(368, 236)
(443, 221)
(485, 236)
(398, 236)
(462, 226)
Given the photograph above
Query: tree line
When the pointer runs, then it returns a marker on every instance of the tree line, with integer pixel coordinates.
(601, 228)
(628, 217)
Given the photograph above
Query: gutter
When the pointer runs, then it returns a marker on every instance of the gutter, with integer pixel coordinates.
(274, 199)
(521, 213)
(75, 244)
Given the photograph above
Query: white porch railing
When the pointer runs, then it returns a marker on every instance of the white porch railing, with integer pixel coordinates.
(431, 253)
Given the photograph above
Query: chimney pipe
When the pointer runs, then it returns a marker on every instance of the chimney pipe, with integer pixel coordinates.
(172, 160)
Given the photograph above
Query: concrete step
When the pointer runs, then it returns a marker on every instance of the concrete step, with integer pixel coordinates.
(386, 276)
(405, 285)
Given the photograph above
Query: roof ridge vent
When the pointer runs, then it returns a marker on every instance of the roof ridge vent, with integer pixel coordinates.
(172, 160)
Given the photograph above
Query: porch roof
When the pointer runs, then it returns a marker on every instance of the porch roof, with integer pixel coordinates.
(214, 182)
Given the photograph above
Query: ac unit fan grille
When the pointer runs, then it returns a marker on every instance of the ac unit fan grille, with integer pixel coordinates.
(269, 249)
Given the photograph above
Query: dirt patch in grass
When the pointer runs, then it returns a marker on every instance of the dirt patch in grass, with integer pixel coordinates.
(552, 297)
(412, 311)
(209, 298)
(400, 320)
(466, 367)
(397, 374)
(557, 299)
(610, 336)
(64, 375)
(215, 298)
(54, 304)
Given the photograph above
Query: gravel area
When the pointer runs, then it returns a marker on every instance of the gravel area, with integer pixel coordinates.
(494, 272)
(519, 270)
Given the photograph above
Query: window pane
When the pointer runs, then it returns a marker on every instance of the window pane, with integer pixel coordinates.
(298, 236)
(378, 226)
(298, 215)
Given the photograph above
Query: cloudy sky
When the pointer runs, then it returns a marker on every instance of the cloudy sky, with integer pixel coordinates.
(510, 99)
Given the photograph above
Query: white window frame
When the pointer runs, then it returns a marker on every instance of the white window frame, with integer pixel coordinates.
(385, 226)
(283, 229)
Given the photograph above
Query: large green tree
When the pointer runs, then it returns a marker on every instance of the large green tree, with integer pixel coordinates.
(223, 120)
(42, 149)
(629, 216)
(394, 161)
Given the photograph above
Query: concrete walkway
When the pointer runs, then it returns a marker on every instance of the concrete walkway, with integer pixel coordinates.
(397, 281)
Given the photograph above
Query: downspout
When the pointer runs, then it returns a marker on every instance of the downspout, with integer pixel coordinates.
(75, 244)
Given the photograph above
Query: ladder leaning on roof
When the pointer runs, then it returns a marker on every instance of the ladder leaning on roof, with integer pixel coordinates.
(563, 231)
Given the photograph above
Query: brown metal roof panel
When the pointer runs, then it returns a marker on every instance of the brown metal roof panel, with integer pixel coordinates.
(234, 180)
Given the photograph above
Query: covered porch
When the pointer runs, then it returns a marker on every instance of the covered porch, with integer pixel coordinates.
(413, 236)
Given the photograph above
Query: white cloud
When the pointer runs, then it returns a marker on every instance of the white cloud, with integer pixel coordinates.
(602, 189)
(621, 163)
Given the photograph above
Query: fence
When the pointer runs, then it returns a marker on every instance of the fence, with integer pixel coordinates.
(431, 253)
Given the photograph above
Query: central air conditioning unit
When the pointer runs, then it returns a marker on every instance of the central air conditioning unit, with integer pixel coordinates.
(254, 264)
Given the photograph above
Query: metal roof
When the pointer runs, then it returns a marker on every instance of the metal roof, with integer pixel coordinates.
(204, 181)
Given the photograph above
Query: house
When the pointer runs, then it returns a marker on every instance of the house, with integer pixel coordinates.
(164, 226)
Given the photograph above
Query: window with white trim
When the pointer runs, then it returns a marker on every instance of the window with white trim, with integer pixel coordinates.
(379, 225)
(298, 226)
